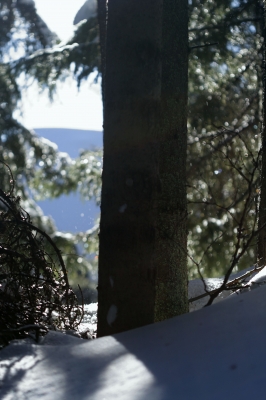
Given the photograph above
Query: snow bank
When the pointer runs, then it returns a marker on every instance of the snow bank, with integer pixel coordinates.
(218, 352)
(196, 286)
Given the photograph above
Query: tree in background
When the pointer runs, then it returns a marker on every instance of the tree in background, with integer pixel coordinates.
(142, 255)
(39, 170)
(224, 118)
(224, 112)
(225, 82)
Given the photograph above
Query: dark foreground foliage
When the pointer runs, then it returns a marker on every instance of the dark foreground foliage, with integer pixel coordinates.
(35, 294)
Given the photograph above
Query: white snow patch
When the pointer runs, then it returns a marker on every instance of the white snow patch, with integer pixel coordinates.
(89, 322)
(49, 143)
(196, 287)
(259, 278)
(91, 308)
(216, 353)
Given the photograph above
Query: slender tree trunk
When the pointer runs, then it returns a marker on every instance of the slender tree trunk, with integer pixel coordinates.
(143, 211)
(171, 277)
(261, 251)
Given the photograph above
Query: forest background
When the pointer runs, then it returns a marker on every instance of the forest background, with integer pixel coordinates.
(224, 125)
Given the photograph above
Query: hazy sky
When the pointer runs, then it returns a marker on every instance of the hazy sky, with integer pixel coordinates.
(72, 109)
(59, 15)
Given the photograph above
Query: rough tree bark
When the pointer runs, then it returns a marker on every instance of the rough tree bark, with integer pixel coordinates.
(142, 262)
(171, 243)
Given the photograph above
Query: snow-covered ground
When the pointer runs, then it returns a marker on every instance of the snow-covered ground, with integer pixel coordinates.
(214, 353)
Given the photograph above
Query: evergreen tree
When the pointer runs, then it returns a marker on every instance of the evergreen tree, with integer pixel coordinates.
(39, 170)
(224, 119)
(224, 122)
(224, 114)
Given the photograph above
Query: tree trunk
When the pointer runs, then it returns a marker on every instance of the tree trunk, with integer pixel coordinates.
(171, 245)
(261, 250)
(143, 212)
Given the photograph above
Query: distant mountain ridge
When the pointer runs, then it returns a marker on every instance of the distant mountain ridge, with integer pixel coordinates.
(82, 214)
(72, 141)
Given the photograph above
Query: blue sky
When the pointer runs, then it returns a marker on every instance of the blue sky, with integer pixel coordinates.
(72, 108)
